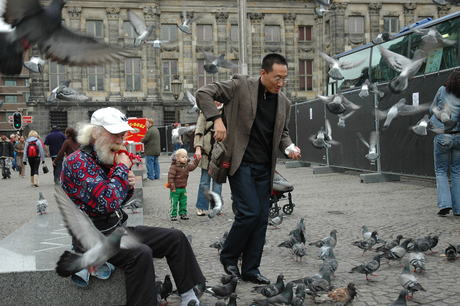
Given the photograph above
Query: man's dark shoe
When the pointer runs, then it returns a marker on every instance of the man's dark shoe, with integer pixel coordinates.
(231, 270)
(257, 279)
(444, 211)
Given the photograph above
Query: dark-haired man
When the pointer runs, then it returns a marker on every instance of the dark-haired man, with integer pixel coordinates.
(262, 128)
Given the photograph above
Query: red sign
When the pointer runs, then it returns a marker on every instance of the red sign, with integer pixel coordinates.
(139, 125)
(25, 119)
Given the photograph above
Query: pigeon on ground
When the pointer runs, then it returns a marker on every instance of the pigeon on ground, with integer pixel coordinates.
(53, 95)
(212, 62)
(409, 281)
(366, 244)
(330, 263)
(407, 68)
(133, 205)
(320, 285)
(298, 250)
(343, 117)
(307, 280)
(141, 29)
(67, 93)
(185, 27)
(35, 64)
(344, 295)
(300, 291)
(276, 221)
(284, 297)
(323, 252)
(299, 229)
(444, 115)
(389, 245)
(416, 259)
(166, 288)
(372, 155)
(295, 238)
(99, 248)
(323, 139)
(36, 25)
(297, 301)
(400, 109)
(272, 289)
(338, 104)
(178, 132)
(226, 278)
(423, 126)
(42, 204)
(397, 252)
(215, 201)
(367, 234)
(231, 300)
(401, 301)
(322, 242)
(335, 65)
(382, 37)
(451, 252)
(433, 242)
(199, 289)
(368, 267)
(223, 291)
(192, 100)
(319, 11)
(219, 242)
(425, 244)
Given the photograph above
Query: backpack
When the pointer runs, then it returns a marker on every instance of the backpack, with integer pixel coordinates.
(32, 149)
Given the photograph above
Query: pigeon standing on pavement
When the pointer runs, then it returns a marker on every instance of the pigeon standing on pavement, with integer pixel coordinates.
(368, 267)
(284, 297)
(326, 274)
(276, 221)
(451, 252)
(323, 252)
(166, 288)
(397, 252)
(335, 65)
(299, 229)
(372, 155)
(367, 244)
(35, 64)
(338, 104)
(215, 201)
(344, 295)
(400, 109)
(295, 238)
(416, 259)
(332, 241)
(389, 245)
(223, 291)
(141, 29)
(298, 249)
(219, 242)
(401, 301)
(191, 98)
(330, 263)
(212, 62)
(409, 281)
(42, 204)
(272, 289)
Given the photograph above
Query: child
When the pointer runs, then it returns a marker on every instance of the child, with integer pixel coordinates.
(177, 179)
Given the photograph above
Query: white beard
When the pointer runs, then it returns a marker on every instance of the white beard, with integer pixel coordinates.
(104, 150)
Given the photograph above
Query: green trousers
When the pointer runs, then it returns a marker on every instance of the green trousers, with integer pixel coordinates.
(179, 196)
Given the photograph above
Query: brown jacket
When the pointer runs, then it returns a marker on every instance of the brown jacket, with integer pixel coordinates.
(178, 174)
(245, 90)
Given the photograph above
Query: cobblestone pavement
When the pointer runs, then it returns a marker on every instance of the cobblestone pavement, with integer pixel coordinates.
(326, 201)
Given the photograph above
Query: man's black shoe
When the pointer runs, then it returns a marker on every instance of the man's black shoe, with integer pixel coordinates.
(231, 270)
(257, 279)
(444, 211)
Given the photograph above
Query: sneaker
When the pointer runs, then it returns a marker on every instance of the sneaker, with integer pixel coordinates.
(200, 212)
(183, 217)
(173, 219)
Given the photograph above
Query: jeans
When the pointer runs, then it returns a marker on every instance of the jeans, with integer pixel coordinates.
(177, 146)
(153, 167)
(186, 146)
(57, 169)
(205, 181)
(447, 151)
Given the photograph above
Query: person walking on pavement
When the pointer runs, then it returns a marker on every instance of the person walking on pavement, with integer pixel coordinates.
(261, 129)
(152, 150)
(203, 143)
(53, 143)
(14, 140)
(6, 156)
(33, 152)
(69, 146)
(19, 149)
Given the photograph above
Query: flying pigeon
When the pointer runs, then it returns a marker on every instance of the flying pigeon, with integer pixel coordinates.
(332, 241)
(35, 64)
(451, 252)
(276, 221)
(133, 205)
(140, 28)
(372, 155)
(272, 289)
(338, 104)
(389, 245)
(323, 139)
(284, 297)
(382, 37)
(157, 43)
(374, 89)
(397, 252)
(422, 127)
(219, 243)
(407, 68)
(400, 109)
(444, 115)
(99, 248)
(416, 259)
(335, 66)
(364, 91)
(185, 27)
(319, 11)
(431, 39)
(215, 201)
(342, 119)
(344, 295)
(409, 281)
(52, 97)
(299, 251)
(36, 25)
(401, 301)
(192, 101)
(213, 62)
(69, 94)
(223, 291)
(176, 133)
(368, 267)
(367, 244)
(42, 204)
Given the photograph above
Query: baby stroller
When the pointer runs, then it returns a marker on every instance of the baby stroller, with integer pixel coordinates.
(280, 187)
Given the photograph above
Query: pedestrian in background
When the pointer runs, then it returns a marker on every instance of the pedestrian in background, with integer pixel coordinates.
(33, 152)
(447, 147)
(53, 143)
(6, 155)
(152, 150)
(68, 147)
(187, 138)
(19, 150)
(14, 140)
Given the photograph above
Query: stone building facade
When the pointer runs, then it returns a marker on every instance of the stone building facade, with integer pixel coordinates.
(140, 85)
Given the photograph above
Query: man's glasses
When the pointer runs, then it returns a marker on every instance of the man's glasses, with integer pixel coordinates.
(277, 80)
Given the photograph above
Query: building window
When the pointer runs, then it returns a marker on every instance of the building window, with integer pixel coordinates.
(133, 74)
(9, 82)
(96, 78)
(356, 24)
(27, 96)
(272, 33)
(204, 78)
(59, 118)
(57, 75)
(204, 32)
(134, 114)
(390, 24)
(169, 71)
(94, 28)
(27, 82)
(306, 75)
(11, 99)
(168, 32)
(129, 30)
(304, 33)
(234, 33)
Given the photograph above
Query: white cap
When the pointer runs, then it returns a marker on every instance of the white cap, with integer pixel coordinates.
(111, 119)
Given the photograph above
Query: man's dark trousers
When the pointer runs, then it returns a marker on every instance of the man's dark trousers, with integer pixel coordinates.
(250, 186)
(57, 169)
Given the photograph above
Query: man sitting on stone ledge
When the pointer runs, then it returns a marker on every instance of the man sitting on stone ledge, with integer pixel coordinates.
(98, 180)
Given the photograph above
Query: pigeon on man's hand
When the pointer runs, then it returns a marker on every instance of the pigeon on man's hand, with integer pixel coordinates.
(272, 289)
(42, 204)
(215, 201)
(140, 28)
(335, 65)
(409, 281)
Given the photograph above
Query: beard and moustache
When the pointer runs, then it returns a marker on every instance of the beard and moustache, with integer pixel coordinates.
(104, 149)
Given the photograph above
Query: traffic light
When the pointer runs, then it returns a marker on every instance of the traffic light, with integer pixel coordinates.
(17, 120)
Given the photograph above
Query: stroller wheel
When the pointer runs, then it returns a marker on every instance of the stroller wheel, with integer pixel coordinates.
(273, 211)
(288, 208)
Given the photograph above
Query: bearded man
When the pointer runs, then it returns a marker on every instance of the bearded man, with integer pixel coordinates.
(99, 181)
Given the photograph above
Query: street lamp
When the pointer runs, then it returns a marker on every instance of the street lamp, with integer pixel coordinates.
(176, 88)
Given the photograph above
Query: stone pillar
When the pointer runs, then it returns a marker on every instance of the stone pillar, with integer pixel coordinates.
(221, 20)
(443, 10)
(409, 9)
(153, 73)
(289, 23)
(38, 83)
(75, 73)
(114, 76)
(374, 19)
(319, 70)
(255, 53)
(338, 26)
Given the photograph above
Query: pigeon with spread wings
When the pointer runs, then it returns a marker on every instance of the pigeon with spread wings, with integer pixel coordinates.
(140, 28)
(335, 65)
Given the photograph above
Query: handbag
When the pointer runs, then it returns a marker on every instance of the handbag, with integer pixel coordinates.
(45, 169)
